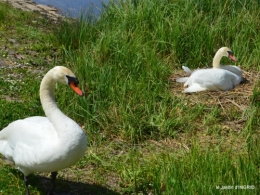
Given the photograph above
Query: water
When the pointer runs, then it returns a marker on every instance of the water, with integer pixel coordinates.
(75, 7)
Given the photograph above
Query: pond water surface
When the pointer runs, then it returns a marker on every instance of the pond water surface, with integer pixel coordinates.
(75, 7)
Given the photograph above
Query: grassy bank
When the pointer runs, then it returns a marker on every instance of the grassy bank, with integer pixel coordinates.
(145, 136)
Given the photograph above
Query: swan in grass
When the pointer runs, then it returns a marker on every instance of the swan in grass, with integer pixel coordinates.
(45, 144)
(214, 79)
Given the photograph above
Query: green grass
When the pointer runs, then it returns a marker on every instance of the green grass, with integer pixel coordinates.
(144, 136)
(127, 56)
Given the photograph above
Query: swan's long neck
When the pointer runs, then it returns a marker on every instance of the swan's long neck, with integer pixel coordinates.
(49, 105)
(216, 60)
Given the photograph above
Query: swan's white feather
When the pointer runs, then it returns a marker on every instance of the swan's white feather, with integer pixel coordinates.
(217, 78)
(44, 144)
(182, 79)
(187, 70)
(212, 80)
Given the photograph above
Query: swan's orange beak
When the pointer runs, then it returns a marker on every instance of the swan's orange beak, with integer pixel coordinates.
(76, 89)
(232, 57)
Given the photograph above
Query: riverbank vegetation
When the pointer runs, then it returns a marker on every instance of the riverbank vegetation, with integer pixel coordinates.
(145, 136)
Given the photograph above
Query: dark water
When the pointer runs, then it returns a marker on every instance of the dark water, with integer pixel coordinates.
(75, 7)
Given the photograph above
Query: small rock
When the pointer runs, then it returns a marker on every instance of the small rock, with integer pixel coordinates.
(11, 52)
(20, 57)
(3, 64)
(13, 41)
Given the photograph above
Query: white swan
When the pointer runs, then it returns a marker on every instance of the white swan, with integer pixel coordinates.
(45, 144)
(217, 78)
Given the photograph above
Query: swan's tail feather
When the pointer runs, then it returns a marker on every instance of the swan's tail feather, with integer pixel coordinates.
(182, 79)
(187, 70)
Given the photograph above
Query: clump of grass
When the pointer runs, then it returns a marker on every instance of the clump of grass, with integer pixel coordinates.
(3, 11)
(206, 172)
(127, 55)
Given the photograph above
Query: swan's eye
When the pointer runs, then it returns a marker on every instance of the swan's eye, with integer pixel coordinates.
(230, 53)
(72, 80)
(231, 56)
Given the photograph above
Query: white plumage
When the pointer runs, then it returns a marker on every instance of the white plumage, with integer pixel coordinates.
(217, 78)
(45, 144)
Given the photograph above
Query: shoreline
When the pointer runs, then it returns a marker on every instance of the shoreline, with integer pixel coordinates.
(27, 5)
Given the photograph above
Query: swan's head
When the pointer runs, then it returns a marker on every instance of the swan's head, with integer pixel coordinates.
(67, 77)
(225, 51)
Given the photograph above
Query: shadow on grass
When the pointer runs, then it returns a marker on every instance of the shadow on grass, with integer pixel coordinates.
(64, 187)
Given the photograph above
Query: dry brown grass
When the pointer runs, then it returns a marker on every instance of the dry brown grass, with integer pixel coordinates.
(235, 109)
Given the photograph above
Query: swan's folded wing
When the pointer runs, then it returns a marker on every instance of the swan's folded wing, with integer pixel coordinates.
(202, 73)
(29, 131)
(234, 69)
(210, 79)
(208, 84)
(216, 80)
